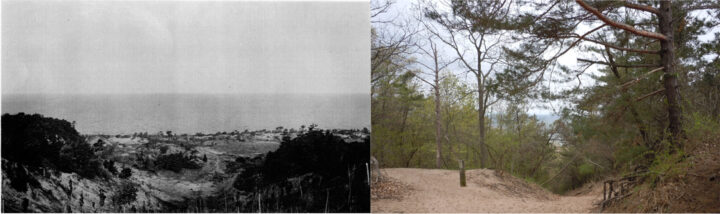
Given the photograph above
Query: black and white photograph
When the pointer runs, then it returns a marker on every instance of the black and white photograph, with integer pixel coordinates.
(185, 106)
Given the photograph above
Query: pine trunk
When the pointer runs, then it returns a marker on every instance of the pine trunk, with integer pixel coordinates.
(667, 54)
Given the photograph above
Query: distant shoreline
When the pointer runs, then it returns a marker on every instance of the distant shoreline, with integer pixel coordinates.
(185, 113)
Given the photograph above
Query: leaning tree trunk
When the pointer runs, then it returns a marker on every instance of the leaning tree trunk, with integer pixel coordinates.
(667, 54)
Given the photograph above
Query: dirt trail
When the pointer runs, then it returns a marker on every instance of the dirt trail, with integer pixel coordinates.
(432, 190)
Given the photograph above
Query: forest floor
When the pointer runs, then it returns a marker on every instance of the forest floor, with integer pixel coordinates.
(435, 190)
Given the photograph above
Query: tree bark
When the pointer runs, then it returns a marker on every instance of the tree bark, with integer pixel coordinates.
(481, 116)
(667, 55)
(438, 131)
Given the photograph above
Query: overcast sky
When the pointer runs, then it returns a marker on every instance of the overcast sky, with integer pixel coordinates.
(403, 10)
(88, 47)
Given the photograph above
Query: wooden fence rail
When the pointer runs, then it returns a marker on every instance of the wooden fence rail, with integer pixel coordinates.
(616, 189)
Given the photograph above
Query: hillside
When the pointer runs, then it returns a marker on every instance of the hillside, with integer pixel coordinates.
(47, 166)
(434, 190)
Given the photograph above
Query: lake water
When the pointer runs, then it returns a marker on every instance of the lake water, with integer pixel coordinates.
(186, 113)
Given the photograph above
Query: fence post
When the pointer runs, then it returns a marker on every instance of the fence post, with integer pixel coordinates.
(367, 168)
(462, 173)
(327, 199)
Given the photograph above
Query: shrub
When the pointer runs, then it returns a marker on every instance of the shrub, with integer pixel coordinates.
(164, 149)
(323, 162)
(38, 141)
(126, 194)
(125, 173)
(175, 162)
(110, 166)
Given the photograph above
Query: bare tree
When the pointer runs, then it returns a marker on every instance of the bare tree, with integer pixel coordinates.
(431, 50)
(390, 40)
(481, 25)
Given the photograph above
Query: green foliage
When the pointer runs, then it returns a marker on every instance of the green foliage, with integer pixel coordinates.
(604, 130)
(628, 155)
(667, 165)
(586, 169)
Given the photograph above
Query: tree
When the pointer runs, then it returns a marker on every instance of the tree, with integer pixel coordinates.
(654, 28)
(483, 25)
(126, 194)
(110, 166)
(320, 162)
(388, 42)
(435, 67)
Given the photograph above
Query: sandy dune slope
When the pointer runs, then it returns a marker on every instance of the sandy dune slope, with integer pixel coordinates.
(431, 190)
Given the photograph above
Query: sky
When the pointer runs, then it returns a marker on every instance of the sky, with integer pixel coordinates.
(403, 10)
(134, 47)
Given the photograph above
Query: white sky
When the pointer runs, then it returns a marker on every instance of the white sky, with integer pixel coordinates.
(98, 47)
(402, 9)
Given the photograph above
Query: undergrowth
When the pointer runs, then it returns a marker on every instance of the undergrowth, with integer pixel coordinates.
(680, 179)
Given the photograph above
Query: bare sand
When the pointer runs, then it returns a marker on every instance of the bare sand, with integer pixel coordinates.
(433, 190)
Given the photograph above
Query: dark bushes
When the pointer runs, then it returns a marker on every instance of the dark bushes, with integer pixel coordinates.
(176, 162)
(126, 194)
(125, 173)
(323, 164)
(110, 166)
(37, 141)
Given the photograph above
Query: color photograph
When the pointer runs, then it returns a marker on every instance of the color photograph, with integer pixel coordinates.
(545, 106)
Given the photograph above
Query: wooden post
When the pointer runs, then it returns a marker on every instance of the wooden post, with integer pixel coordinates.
(367, 168)
(604, 190)
(327, 199)
(462, 173)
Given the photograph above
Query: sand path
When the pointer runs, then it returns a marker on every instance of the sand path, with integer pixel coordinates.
(431, 190)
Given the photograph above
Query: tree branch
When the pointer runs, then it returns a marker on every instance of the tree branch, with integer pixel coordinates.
(703, 7)
(625, 27)
(621, 48)
(623, 66)
(641, 7)
(632, 82)
(650, 94)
